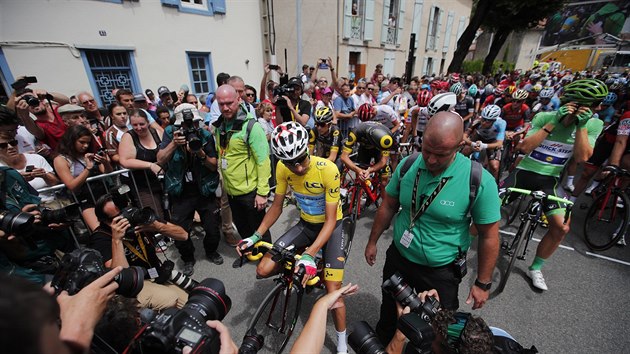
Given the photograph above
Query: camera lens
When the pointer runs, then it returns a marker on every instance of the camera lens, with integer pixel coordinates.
(31, 100)
(16, 223)
(402, 292)
(194, 143)
(130, 281)
(208, 301)
(137, 216)
(252, 343)
(363, 340)
(69, 213)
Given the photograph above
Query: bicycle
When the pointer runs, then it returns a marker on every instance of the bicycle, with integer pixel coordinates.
(276, 327)
(607, 218)
(354, 191)
(530, 219)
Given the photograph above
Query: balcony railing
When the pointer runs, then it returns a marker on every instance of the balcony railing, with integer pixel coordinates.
(391, 35)
(356, 31)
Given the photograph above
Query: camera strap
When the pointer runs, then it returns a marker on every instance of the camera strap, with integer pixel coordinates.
(135, 250)
(416, 214)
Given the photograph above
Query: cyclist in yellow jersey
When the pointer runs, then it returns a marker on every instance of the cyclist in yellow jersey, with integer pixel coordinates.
(315, 183)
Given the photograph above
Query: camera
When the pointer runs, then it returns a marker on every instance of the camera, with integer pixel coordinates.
(406, 296)
(137, 216)
(16, 223)
(189, 131)
(82, 266)
(363, 340)
(252, 342)
(280, 91)
(66, 214)
(173, 329)
(167, 272)
(32, 101)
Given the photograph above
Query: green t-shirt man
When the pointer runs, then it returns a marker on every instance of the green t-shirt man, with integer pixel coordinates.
(435, 237)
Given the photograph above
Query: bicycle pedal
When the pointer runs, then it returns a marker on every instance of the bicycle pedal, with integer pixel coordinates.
(504, 245)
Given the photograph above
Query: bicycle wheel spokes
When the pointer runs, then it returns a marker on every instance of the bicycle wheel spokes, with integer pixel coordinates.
(515, 250)
(276, 317)
(607, 220)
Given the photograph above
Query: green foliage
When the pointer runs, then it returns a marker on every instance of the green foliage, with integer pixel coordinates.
(519, 15)
(475, 66)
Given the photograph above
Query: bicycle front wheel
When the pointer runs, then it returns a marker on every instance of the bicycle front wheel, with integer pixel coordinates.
(606, 220)
(515, 250)
(276, 317)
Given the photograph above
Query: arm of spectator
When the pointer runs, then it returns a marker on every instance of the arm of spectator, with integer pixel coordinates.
(21, 108)
(127, 156)
(384, 214)
(62, 166)
(333, 75)
(166, 152)
(60, 98)
(311, 340)
(81, 312)
(263, 83)
(300, 118)
(227, 344)
(487, 254)
(119, 227)
(260, 149)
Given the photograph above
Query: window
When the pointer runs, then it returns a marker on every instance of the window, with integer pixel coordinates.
(429, 69)
(435, 20)
(110, 69)
(199, 64)
(393, 20)
(195, 4)
(200, 7)
(357, 17)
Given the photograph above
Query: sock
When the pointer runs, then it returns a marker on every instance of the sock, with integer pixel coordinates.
(342, 346)
(537, 264)
(569, 180)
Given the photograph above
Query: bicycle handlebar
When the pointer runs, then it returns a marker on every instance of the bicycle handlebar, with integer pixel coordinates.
(553, 198)
(284, 254)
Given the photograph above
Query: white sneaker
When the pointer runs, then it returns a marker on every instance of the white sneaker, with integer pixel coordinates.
(622, 241)
(569, 187)
(590, 188)
(537, 279)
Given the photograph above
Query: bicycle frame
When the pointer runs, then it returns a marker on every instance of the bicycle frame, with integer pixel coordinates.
(612, 183)
(358, 186)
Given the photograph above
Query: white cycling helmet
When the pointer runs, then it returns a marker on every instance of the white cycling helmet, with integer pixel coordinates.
(289, 141)
(443, 102)
(491, 112)
(547, 92)
(520, 95)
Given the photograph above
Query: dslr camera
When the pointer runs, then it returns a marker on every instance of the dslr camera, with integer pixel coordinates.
(190, 131)
(416, 325)
(82, 266)
(280, 91)
(134, 215)
(173, 329)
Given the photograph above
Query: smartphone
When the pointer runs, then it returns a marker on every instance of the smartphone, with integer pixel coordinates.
(174, 96)
(274, 67)
(29, 168)
(323, 64)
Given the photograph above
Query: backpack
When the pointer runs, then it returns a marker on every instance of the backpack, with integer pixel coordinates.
(475, 176)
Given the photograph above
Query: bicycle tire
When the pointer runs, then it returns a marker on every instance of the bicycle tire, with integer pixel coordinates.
(516, 210)
(516, 248)
(276, 341)
(356, 211)
(601, 233)
(348, 226)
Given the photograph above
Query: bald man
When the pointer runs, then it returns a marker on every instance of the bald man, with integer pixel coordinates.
(426, 246)
(243, 163)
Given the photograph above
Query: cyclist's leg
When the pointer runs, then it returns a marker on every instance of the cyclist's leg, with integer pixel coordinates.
(494, 160)
(334, 259)
(557, 229)
(296, 236)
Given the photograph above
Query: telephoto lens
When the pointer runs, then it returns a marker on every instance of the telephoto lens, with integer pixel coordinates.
(363, 340)
(252, 343)
(403, 293)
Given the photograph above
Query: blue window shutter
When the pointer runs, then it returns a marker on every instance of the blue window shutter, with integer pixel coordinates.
(447, 31)
(170, 3)
(385, 22)
(347, 19)
(401, 21)
(430, 37)
(218, 6)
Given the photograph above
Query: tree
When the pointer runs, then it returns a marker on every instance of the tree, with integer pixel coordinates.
(507, 16)
(479, 14)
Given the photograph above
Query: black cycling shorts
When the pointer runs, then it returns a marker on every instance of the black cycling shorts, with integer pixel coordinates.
(535, 182)
(601, 152)
(304, 234)
(494, 154)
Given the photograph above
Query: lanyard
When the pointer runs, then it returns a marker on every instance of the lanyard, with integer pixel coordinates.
(415, 214)
(135, 251)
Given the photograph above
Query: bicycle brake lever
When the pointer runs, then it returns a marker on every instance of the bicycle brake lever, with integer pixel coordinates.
(297, 277)
(567, 214)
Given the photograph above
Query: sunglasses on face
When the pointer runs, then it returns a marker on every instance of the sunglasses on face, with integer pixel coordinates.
(250, 95)
(371, 89)
(13, 143)
(487, 120)
(295, 162)
(360, 88)
(321, 125)
(88, 101)
(323, 81)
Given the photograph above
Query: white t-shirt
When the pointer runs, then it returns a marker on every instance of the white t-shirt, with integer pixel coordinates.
(26, 140)
(359, 100)
(37, 161)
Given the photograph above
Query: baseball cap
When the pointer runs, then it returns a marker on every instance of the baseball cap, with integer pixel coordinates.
(163, 90)
(148, 92)
(138, 97)
(295, 81)
(327, 90)
(179, 113)
(70, 108)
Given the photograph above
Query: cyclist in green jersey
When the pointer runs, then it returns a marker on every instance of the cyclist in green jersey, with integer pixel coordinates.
(553, 139)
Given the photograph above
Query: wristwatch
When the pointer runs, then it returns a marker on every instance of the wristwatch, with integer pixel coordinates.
(483, 286)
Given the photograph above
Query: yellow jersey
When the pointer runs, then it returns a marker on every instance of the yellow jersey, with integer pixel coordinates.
(320, 185)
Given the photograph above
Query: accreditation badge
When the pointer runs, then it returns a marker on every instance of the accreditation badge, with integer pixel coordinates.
(406, 238)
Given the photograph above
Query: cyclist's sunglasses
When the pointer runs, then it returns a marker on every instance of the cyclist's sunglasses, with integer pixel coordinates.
(13, 143)
(295, 162)
(321, 125)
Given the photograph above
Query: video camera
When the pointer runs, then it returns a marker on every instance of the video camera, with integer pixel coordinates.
(173, 329)
(416, 325)
(280, 91)
(190, 131)
(81, 267)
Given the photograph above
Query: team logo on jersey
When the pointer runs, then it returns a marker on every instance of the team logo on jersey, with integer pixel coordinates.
(333, 191)
(313, 185)
(341, 259)
(336, 132)
(447, 202)
(321, 163)
(549, 158)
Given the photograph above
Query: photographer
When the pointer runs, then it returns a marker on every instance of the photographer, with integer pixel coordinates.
(289, 106)
(190, 159)
(120, 245)
(31, 318)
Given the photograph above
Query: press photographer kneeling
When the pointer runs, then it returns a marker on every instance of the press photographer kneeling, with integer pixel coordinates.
(125, 236)
(424, 327)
